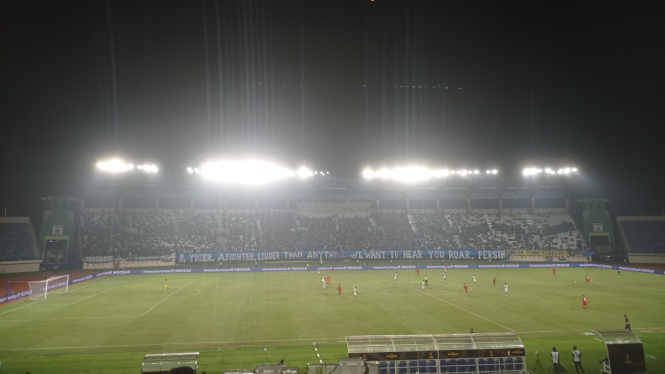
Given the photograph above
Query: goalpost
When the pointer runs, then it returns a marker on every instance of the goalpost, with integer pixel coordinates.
(42, 289)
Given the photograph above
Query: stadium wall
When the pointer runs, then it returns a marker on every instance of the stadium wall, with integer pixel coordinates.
(651, 258)
(11, 267)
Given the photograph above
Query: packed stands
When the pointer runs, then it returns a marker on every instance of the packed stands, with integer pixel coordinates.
(17, 242)
(643, 234)
(128, 232)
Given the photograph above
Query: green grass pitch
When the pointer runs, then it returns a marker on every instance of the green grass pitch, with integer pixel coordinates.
(106, 325)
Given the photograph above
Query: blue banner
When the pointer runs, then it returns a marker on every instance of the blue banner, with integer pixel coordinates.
(315, 256)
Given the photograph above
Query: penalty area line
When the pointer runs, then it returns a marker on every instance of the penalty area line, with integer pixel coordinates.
(86, 298)
(456, 306)
(164, 299)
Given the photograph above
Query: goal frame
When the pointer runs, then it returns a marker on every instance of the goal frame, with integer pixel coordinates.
(54, 284)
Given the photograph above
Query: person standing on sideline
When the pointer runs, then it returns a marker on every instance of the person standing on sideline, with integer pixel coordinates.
(166, 284)
(355, 293)
(627, 324)
(328, 281)
(618, 271)
(339, 289)
(417, 272)
(505, 289)
(577, 356)
(444, 276)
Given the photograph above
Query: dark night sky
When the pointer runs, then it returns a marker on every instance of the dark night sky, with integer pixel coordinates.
(546, 81)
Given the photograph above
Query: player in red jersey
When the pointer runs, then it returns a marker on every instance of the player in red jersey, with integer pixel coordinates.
(329, 279)
(554, 272)
(466, 288)
(339, 290)
(588, 280)
(583, 302)
(418, 272)
(494, 282)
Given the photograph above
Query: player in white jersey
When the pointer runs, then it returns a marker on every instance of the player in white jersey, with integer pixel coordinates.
(505, 289)
(474, 279)
(423, 286)
(395, 276)
(444, 276)
(324, 287)
(355, 293)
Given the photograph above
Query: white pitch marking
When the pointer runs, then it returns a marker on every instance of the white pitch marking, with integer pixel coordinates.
(600, 340)
(76, 302)
(316, 349)
(649, 356)
(11, 310)
(90, 284)
(164, 299)
(60, 319)
(458, 307)
(321, 361)
(318, 355)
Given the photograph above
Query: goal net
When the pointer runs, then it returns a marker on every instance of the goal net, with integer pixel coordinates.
(42, 289)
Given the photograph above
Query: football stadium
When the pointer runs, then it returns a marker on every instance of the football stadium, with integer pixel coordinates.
(312, 271)
(331, 187)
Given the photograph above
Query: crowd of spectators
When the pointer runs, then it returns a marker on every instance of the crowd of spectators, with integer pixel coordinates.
(126, 233)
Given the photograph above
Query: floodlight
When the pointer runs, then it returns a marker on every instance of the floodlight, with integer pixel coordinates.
(303, 172)
(114, 166)
(574, 170)
(190, 170)
(476, 172)
(368, 174)
(494, 171)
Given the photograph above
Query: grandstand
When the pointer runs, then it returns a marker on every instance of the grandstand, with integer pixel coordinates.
(17, 240)
(643, 238)
(144, 232)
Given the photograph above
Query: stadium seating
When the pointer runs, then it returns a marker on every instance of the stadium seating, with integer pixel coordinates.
(643, 236)
(127, 233)
(17, 242)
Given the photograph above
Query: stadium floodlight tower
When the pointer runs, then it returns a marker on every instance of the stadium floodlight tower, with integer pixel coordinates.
(53, 285)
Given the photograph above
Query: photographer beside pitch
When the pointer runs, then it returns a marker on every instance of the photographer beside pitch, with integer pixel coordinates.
(577, 360)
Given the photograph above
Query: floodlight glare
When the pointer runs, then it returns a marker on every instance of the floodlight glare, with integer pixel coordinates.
(250, 172)
(114, 166)
(494, 171)
(304, 173)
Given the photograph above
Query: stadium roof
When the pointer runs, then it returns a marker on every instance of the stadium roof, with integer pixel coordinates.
(436, 342)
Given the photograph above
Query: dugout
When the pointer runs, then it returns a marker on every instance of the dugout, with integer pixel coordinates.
(441, 353)
(624, 352)
(163, 363)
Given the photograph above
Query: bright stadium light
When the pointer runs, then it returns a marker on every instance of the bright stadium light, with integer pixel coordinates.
(248, 172)
(114, 165)
(413, 174)
(531, 171)
(303, 172)
(495, 172)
